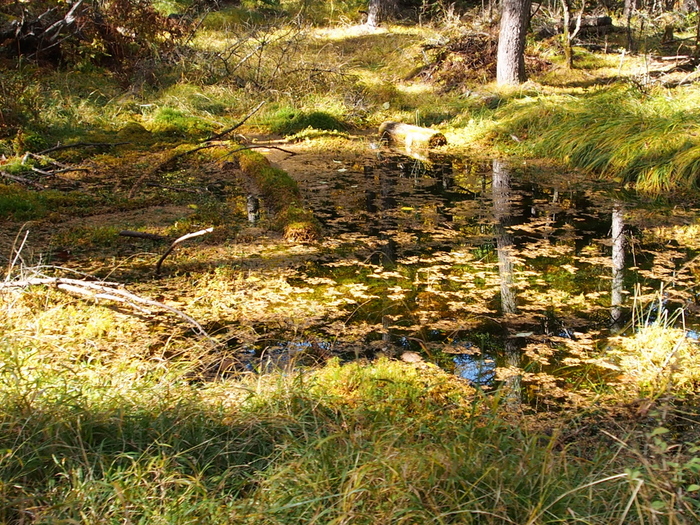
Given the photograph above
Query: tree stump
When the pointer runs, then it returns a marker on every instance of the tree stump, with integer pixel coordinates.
(408, 136)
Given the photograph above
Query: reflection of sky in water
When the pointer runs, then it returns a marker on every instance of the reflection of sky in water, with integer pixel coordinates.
(693, 334)
(475, 368)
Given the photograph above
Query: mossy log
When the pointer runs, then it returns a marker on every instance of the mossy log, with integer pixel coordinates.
(279, 194)
(408, 136)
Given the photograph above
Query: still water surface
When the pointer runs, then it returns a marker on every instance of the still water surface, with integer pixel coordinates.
(476, 265)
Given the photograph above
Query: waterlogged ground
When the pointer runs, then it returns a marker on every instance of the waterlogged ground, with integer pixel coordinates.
(484, 265)
(485, 268)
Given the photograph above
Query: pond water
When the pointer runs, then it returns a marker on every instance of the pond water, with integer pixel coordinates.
(477, 265)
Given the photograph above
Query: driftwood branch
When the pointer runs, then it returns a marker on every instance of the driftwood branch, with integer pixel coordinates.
(106, 291)
(178, 241)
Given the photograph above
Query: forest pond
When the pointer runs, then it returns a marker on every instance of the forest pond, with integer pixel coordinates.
(476, 265)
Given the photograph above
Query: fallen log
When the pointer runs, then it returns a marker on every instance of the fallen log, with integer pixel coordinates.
(409, 136)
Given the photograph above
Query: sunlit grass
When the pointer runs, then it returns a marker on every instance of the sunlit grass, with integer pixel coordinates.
(96, 425)
(646, 139)
(658, 358)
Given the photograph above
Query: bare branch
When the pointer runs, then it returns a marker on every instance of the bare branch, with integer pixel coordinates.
(21, 180)
(229, 130)
(178, 241)
(95, 290)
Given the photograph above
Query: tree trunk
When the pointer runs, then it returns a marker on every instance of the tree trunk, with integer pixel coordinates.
(566, 37)
(379, 10)
(510, 64)
(618, 262)
(697, 30)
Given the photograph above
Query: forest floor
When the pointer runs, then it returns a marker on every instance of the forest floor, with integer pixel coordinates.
(291, 408)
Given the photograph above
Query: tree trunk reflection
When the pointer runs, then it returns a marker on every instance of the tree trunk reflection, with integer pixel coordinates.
(501, 192)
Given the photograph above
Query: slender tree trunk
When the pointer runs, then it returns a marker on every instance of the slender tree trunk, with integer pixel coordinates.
(373, 13)
(697, 30)
(569, 35)
(379, 10)
(566, 37)
(502, 197)
(510, 66)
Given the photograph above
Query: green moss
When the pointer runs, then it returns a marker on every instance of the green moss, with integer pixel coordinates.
(287, 121)
(21, 205)
(281, 194)
(172, 122)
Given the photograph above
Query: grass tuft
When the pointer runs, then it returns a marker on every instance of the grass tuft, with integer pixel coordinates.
(646, 139)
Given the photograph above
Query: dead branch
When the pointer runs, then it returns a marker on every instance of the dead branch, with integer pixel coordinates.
(59, 147)
(106, 291)
(62, 168)
(144, 235)
(53, 174)
(42, 172)
(254, 146)
(178, 241)
(229, 130)
(21, 180)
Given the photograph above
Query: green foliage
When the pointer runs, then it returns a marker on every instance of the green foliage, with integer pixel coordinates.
(173, 122)
(29, 141)
(230, 17)
(89, 436)
(21, 205)
(19, 101)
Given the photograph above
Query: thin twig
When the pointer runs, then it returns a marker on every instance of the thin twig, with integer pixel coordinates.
(17, 252)
(178, 241)
(229, 130)
(253, 146)
(82, 145)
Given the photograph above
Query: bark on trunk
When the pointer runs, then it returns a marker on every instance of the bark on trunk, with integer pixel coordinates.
(510, 66)
(379, 10)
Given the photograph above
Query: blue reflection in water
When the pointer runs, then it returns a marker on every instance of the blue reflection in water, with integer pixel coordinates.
(478, 369)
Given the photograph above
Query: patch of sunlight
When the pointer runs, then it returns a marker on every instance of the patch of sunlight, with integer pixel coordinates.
(658, 359)
(339, 33)
(417, 88)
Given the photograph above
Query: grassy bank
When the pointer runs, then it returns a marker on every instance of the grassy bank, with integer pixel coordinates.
(644, 139)
(106, 420)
